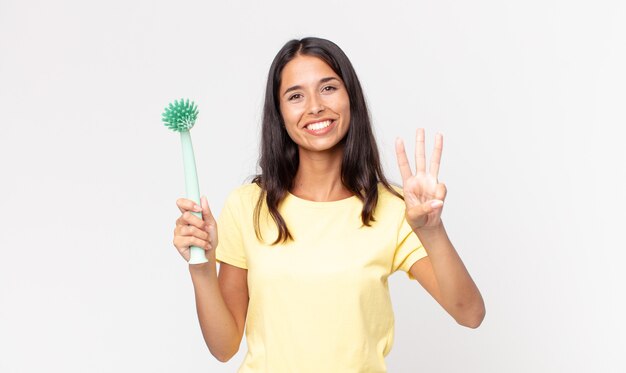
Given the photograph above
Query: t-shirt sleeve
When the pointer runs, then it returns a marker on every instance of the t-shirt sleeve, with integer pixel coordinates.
(230, 247)
(409, 249)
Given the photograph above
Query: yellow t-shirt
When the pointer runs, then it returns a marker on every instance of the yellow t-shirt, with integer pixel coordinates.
(319, 303)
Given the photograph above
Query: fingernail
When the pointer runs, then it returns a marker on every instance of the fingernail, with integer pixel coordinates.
(436, 203)
(197, 208)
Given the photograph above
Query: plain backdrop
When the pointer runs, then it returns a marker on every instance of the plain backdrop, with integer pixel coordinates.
(529, 95)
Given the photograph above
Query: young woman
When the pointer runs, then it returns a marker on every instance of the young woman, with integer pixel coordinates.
(306, 249)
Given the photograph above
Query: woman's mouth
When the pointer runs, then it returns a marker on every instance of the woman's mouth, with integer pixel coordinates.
(320, 128)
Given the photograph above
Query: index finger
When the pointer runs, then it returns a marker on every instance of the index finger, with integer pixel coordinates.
(403, 161)
(185, 204)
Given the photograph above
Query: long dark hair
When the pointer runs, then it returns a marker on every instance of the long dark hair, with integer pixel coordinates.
(360, 170)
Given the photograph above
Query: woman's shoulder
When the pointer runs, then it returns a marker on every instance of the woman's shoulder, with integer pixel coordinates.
(244, 195)
(387, 196)
(389, 205)
(247, 189)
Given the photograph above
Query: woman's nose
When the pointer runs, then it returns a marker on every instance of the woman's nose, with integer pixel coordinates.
(315, 105)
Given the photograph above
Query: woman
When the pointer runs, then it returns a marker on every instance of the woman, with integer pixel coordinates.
(306, 249)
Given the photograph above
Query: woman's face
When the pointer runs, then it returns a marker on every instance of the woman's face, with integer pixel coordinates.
(314, 104)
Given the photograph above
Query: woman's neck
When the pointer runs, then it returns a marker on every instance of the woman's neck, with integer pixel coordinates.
(319, 176)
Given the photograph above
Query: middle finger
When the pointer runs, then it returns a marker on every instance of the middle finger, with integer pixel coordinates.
(190, 218)
(190, 230)
(420, 157)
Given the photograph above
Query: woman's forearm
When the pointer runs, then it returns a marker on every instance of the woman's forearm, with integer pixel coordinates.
(218, 325)
(459, 294)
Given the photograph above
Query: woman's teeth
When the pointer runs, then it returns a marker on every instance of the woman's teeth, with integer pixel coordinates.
(319, 125)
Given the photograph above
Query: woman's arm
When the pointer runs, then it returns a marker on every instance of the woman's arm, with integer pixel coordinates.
(221, 301)
(444, 276)
(222, 305)
(442, 273)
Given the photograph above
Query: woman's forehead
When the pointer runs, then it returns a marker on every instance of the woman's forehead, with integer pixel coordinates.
(305, 69)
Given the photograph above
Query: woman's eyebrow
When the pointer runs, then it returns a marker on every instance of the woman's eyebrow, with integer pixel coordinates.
(324, 80)
(296, 87)
(293, 88)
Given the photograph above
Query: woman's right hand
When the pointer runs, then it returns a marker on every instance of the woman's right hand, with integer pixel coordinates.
(190, 230)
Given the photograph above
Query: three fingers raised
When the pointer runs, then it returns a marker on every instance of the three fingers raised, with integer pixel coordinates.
(420, 157)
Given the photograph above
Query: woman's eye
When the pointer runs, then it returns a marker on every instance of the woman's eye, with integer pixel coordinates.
(329, 88)
(295, 97)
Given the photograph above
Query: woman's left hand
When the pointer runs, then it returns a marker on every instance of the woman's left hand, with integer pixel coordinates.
(423, 194)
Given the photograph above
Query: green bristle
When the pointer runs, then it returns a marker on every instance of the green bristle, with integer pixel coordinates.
(180, 116)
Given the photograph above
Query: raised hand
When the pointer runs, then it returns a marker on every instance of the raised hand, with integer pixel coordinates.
(423, 194)
(191, 230)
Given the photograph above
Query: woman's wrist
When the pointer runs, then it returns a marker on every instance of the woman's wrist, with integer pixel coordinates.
(430, 231)
(433, 237)
(203, 268)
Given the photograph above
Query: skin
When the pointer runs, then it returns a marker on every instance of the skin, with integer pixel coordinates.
(311, 92)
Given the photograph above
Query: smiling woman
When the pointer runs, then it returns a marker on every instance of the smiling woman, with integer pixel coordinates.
(314, 104)
(306, 249)
(306, 76)
(315, 110)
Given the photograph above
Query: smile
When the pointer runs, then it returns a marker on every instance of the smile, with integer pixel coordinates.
(318, 126)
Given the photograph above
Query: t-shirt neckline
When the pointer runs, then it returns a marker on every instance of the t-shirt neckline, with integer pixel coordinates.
(301, 201)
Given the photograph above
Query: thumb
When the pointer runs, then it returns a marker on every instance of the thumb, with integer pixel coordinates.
(418, 213)
(434, 204)
(207, 215)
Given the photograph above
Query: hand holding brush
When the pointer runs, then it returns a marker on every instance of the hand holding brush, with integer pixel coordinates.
(180, 116)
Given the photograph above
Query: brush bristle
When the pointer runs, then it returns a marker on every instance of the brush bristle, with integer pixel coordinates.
(180, 116)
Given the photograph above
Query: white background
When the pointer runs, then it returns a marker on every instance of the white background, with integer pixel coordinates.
(529, 95)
